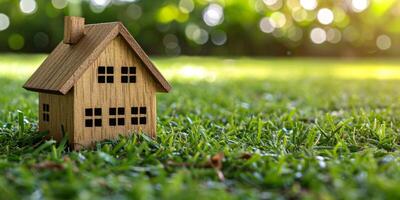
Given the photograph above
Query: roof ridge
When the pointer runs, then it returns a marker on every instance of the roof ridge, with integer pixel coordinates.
(104, 23)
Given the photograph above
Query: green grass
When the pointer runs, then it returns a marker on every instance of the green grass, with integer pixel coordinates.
(288, 129)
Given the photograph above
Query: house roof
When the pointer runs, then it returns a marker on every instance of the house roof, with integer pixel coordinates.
(67, 63)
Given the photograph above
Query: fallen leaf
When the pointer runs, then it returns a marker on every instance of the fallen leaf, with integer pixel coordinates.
(216, 161)
(246, 156)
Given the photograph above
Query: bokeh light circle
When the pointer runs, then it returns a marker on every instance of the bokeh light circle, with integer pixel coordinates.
(309, 4)
(267, 25)
(318, 35)
(279, 19)
(213, 15)
(383, 42)
(359, 5)
(325, 16)
(4, 21)
(28, 6)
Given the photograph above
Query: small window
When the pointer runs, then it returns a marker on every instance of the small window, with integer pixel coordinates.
(117, 116)
(121, 111)
(93, 117)
(112, 111)
(134, 110)
(142, 110)
(105, 74)
(128, 74)
(97, 111)
(112, 121)
(138, 115)
(46, 112)
(134, 121)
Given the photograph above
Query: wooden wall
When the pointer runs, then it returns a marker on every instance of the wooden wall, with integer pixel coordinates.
(88, 93)
(61, 113)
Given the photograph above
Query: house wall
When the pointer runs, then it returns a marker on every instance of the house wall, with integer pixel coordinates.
(88, 93)
(61, 114)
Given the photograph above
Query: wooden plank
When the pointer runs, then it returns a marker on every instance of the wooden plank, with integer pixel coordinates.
(91, 94)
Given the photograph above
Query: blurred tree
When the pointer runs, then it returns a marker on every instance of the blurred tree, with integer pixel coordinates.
(217, 27)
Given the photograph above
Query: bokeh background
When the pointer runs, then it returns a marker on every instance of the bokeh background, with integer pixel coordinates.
(347, 28)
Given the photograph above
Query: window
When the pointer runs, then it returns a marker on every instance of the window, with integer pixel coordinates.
(93, 117)
(117, 116)
(138, 115)
(105, 74)
(46, 112)
(128, 74)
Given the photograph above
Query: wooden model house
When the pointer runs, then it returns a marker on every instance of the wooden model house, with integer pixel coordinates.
(97, 84)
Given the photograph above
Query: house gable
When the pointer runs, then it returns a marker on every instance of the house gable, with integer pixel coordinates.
(66, 64)
(90, 93)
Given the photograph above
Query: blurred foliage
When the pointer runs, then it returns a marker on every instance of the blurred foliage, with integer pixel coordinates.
(218, 27)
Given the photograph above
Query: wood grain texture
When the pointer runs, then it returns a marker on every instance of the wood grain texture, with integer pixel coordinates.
(61, 114)
(88, 93)
(67, 63)
(74, 29)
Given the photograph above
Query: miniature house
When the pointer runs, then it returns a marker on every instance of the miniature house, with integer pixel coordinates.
(96, 84)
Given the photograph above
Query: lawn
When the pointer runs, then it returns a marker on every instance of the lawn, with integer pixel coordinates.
(232, 128)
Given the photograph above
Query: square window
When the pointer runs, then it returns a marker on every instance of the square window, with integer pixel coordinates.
(97, 122)
(88, 112)
(121, 111)
(142, 110)
(112, 122)
(121, 121)
(142, 120)
(112, 111)
(132, 70)
(97, 111)
(124, 70)
(132, 79)
(89, 123)
(46, 107)
(101, 79)
(45, 117)
(101, 70)
(124, 79)
(110, 79)
(134, 110)
(110, 70)
(134, 121)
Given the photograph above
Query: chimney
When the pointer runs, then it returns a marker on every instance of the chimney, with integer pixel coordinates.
(74, 29)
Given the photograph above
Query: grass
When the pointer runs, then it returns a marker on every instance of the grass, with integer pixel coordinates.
(238, 128)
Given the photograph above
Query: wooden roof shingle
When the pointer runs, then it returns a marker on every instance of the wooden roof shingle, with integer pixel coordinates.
(67, 63)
